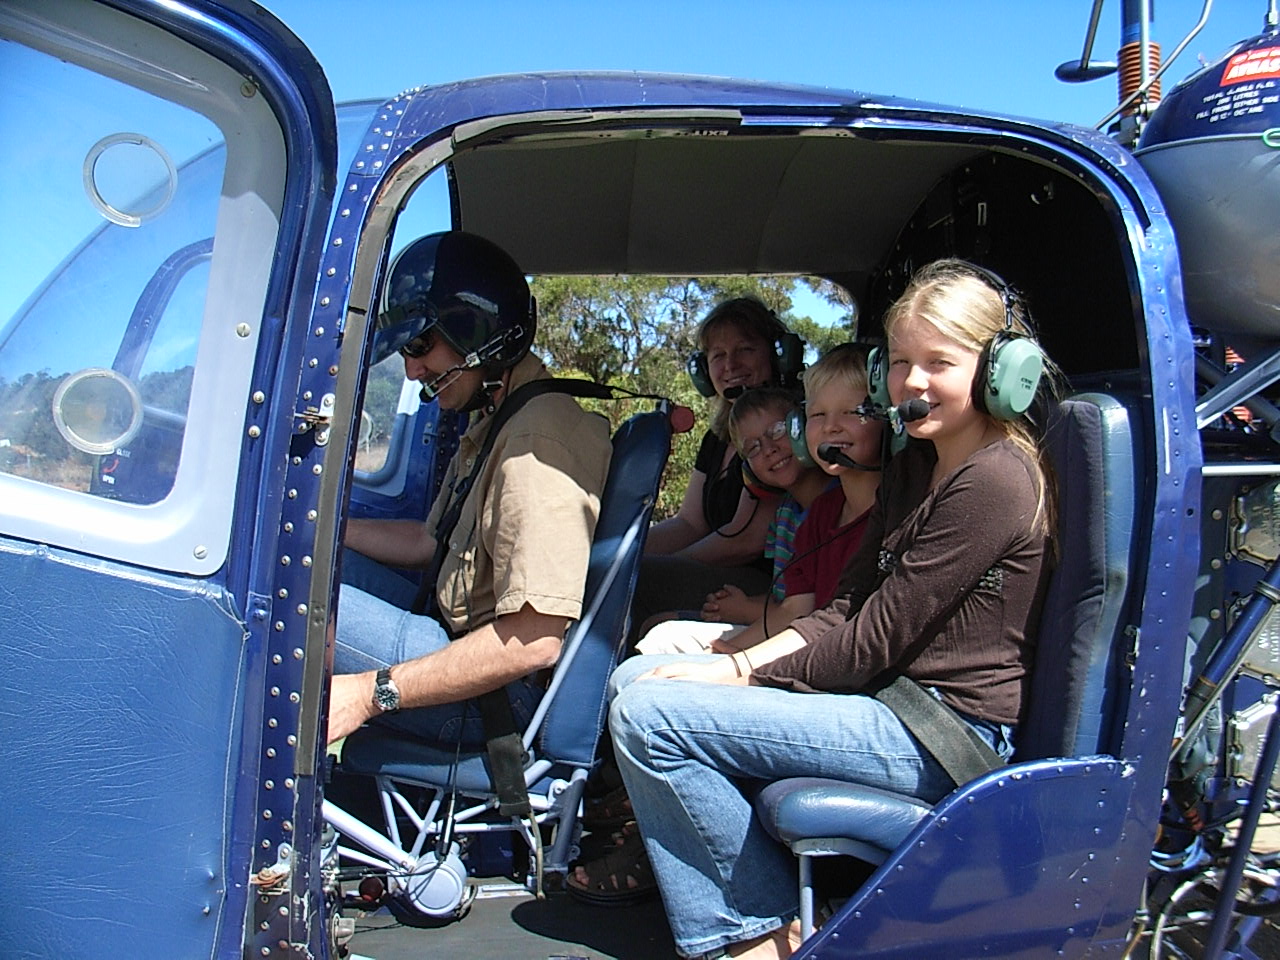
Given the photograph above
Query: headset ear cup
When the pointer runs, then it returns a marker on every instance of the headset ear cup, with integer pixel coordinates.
(700, 375)
(755, 486)
(878, 376)
(1013, 367)
(790, 359)
(795, 433)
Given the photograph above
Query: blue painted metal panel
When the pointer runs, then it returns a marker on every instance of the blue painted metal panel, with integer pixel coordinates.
(1017, 864)
(160, 736)
(1233, 95)
(124, 694)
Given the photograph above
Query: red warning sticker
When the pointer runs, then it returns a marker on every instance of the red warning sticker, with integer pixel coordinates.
(1253, 65)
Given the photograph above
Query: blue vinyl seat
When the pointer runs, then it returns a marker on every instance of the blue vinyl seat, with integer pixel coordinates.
(562, 736)
(1071, 701)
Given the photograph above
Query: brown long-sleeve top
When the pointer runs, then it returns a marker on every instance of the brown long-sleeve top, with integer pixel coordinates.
(946, 588)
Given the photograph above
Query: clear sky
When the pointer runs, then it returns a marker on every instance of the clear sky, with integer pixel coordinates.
(995, 54)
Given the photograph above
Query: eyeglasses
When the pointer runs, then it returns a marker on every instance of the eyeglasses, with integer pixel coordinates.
(419, 346)
(774, 433)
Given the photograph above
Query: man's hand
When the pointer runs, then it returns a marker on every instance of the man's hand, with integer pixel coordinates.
(350, 703)
(489, 657)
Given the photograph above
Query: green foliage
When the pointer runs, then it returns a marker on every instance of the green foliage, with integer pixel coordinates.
(32, 446)
(382, 399)
(168, 389)
(638, 332)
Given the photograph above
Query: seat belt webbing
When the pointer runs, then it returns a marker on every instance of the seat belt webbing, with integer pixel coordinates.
(961, 753)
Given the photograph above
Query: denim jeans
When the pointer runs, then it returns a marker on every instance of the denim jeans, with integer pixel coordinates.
(373, 633)
(692, 756)
(372, 577)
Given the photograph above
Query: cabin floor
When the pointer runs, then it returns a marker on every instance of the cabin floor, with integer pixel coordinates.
(518, 927)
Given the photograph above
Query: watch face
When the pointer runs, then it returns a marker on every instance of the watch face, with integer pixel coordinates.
(385, 694)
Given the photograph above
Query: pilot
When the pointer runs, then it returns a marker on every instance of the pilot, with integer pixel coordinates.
(510, 577)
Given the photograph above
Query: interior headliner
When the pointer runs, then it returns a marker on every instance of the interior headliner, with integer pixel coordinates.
(821, 202)
(858, 206)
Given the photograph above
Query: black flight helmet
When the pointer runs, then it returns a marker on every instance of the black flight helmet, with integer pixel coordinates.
(465, 290)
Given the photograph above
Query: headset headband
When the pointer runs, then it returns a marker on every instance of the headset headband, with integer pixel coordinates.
(1010, 296)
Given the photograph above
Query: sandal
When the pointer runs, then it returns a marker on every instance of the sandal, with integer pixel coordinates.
(611, 810)
(624, 833)
(618, 879)
(599, 844)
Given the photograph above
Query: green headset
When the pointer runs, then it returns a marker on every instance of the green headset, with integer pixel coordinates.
(1009, 367)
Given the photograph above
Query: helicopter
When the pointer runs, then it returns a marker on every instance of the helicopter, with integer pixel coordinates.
(184, 420)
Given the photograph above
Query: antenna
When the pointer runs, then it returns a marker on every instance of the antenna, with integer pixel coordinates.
(1155, 77)
(1083, 70)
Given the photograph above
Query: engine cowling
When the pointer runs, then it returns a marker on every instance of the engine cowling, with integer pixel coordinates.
(1212, 148)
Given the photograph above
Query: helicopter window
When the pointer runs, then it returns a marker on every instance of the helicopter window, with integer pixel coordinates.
(96, 364)
(115, 349)
(391, 402)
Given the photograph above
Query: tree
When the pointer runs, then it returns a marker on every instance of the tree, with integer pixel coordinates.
(168, 389)
(382, 398)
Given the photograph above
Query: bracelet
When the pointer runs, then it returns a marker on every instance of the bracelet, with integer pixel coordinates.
(750, 667)
(733, 658)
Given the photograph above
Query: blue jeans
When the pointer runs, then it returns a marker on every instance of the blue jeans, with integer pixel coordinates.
(372, 577)
(373, 633)
(692, 756)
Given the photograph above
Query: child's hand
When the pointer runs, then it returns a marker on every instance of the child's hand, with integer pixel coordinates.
(711, 608)
(729, 643)
(734, 606)
(723, 670)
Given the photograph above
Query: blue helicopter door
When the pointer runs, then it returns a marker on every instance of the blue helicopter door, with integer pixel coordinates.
(168, 170)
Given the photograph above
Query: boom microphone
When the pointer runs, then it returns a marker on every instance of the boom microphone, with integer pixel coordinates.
(833, 454)
(917, 408)
(432, 389)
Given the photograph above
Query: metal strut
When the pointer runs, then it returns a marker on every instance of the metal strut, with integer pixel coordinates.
(1225, 908)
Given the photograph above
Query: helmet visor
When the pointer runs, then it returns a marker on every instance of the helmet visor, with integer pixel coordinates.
(404, 329)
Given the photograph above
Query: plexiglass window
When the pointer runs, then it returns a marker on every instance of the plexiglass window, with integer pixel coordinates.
(137, 250)
(390, 403)
(105, 292)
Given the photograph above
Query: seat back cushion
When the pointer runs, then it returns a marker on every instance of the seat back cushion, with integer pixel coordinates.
(575, 717)
(1073, 685)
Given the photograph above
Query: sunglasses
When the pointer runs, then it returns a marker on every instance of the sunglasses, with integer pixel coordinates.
(419, 346)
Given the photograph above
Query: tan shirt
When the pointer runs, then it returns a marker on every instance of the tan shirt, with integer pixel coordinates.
(524, 535)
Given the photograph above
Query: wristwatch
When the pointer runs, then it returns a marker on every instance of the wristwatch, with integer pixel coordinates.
(386, 695)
